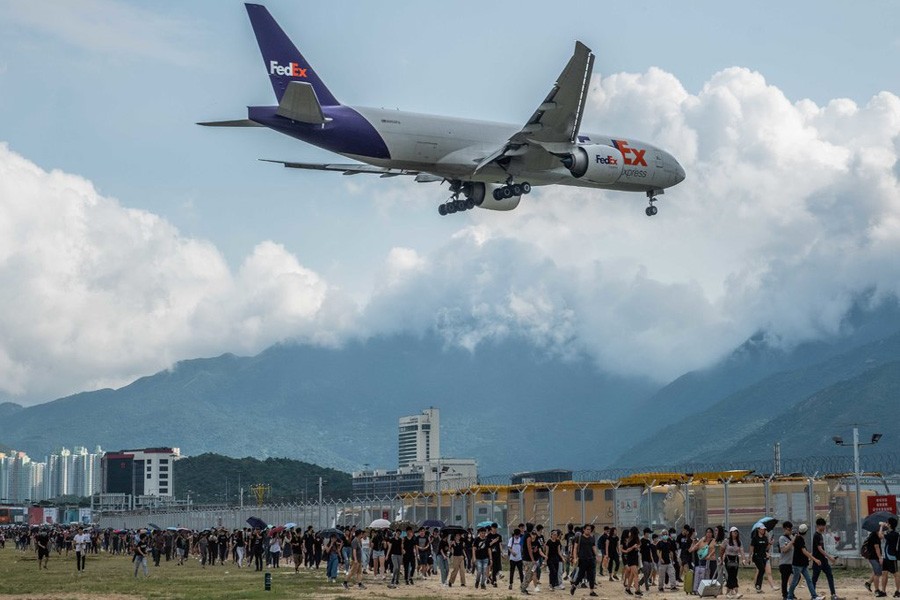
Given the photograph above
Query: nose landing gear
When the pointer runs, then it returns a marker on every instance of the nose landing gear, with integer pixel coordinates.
(651, 197)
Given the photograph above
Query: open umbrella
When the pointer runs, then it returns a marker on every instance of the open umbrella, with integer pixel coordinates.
(256, 523)
(171, 529)
(486, 524)
(380, 524)
(154, 526)
(275, 531)
(768, 522)
(452, 530)
(327, 533)
(433, 523)
(873, 521)
(290, 525)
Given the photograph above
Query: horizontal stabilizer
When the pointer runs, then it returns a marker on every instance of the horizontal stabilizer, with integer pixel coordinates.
(233, 123)
(300, 103)
(345, 168)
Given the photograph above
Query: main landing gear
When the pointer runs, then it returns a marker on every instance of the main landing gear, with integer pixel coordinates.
(453, 206)
(512, 189)
(651, 196)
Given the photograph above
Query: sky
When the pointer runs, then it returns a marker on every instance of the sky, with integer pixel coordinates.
(130, 238)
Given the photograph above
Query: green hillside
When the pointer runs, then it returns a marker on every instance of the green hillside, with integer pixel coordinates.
(872, 398)
(210, 476)
(745, 415)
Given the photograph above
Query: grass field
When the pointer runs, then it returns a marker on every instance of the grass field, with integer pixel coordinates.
(111, 577)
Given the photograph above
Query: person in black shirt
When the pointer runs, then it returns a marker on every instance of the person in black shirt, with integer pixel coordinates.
(665, 550)
(825, 559)
(42, 545)
(647, 561)
(554, 559)
(601, 548)
(612, 553)
(395, 556)
(759, 554)
(409, 556)
(567, 544)
(495, 541)
(586, 551)
(685, 541)
(481, 556)
(457, 564)
(800, 565)
(891, 552)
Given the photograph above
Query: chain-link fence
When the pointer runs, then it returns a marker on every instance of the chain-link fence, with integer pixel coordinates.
(698, 495)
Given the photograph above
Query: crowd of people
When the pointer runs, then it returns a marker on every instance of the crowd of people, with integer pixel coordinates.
(578, 557)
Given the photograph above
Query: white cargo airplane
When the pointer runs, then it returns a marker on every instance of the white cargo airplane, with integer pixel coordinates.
(491, 165)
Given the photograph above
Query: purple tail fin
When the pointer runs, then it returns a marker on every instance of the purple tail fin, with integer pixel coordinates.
(283, 61)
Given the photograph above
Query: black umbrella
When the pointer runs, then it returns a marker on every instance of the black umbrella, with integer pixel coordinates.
(431, 523)
(154, 526)
(327, 533)
(873, 521)
(256, 523)
(452, 530)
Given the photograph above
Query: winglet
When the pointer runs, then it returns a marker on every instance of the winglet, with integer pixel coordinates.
(283, 61)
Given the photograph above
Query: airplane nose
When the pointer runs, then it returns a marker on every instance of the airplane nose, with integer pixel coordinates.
(679, 173)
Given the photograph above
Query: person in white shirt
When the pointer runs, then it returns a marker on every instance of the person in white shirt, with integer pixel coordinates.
(82, 540)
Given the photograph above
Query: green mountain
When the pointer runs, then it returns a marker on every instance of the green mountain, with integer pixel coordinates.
(713, 433)
(213, 478)
(338, 407)
(808, 426)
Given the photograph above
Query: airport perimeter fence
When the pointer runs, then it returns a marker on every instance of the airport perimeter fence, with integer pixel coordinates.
(659, 497)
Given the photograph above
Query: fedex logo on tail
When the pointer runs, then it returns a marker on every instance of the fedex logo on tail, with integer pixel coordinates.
(291, 69)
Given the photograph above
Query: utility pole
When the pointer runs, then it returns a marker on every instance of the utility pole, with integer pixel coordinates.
(320, 491)
(856, 475)
(858, 494)
(777, 470)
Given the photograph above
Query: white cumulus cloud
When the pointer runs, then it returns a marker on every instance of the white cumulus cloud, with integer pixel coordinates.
(789, 212)
(94, 293)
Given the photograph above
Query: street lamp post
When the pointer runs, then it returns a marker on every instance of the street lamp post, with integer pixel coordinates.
(856, 474)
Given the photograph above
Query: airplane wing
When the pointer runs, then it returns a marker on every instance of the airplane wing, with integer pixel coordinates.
(554, 125)
(356, 169)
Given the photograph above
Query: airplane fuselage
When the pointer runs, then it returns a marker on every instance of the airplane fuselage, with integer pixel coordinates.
(452, 147)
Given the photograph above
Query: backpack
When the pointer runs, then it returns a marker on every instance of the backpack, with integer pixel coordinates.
(866, 551)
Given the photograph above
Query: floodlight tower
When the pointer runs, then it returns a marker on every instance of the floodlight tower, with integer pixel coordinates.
(856, 473)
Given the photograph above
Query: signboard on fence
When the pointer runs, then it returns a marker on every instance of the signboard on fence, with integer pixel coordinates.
(882, 503)
(628, 506)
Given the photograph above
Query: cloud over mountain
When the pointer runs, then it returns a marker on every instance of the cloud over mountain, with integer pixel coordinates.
(789, 211)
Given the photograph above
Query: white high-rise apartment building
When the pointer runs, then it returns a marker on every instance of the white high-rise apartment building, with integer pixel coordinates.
(63, 473)
(419, 438)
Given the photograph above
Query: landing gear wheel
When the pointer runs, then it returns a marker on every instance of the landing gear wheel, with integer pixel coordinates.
(516, 189)
(470, 203)
(451, 207)
(526, 188)
(651, 210)
(460, 205)
(498, 194)
(507, 191)
(442, 210)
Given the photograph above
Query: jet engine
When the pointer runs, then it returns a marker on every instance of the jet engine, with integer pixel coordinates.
(595, 163)
(483, 195)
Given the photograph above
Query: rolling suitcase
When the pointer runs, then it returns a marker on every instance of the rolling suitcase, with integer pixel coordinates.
(699, 575)
(689, 582)
(709, 588)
